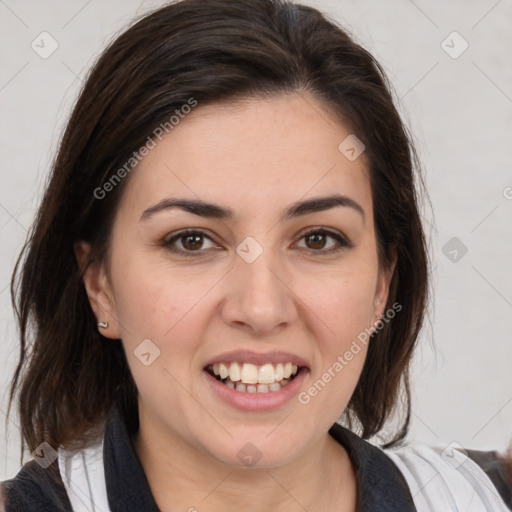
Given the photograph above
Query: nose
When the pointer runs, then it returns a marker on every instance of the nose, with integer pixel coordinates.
(259, 298)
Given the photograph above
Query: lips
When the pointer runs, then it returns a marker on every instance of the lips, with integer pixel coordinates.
(255, 397)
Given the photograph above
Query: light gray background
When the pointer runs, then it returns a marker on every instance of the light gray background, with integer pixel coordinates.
(460, 111)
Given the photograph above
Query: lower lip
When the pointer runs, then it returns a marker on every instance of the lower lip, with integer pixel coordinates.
(256, 401)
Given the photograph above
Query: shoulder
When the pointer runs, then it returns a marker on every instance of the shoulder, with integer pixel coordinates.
(451, 478)
(35, 489)
(427, 478)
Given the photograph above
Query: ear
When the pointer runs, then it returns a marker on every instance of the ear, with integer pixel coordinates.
(98, 290)
(382, 289)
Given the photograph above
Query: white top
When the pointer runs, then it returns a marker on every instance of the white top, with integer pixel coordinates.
(83, 476)
(439, 480)
(442, 480)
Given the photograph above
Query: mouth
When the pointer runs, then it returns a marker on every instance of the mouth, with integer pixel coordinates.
(246, 377)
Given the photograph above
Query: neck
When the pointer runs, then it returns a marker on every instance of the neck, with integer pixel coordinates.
(181, 477)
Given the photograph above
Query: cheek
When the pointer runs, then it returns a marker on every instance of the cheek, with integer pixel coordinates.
(164, 307)
(342, 312)
(341, 301)
(153, 298)
(170, 307)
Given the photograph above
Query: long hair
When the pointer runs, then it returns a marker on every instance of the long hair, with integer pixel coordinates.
(68, 375)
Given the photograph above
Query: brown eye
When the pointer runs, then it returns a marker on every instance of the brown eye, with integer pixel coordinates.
(191, 242)
(317, 240)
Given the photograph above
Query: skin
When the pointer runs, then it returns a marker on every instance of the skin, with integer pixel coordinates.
(257, 157)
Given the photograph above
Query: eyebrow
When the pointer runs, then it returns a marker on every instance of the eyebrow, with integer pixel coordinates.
(214, 211)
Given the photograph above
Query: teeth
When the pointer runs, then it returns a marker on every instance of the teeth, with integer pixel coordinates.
(266, 374)
(249, 374)
(249, 378)
(234, 372)
(279, 372)
(275, 386)
(223, 371)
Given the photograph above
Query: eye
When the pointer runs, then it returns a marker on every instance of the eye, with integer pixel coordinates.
(318, 238)
(191, 240)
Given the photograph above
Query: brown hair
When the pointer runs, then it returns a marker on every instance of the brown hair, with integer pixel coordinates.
(68, 375)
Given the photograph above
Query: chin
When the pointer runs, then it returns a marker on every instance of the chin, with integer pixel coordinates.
(255, 449)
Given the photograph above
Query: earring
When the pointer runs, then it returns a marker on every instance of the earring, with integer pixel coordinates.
(103, 325)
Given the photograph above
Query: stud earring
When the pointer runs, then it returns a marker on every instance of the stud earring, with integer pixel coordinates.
(103, 325)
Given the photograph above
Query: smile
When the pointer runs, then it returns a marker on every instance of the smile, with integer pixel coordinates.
(251, 378)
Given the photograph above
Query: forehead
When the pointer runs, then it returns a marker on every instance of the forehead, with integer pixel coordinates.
(251, 155)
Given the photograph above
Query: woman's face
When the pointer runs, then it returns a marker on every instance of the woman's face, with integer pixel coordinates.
(252, 295)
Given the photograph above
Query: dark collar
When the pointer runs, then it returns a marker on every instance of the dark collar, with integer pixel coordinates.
(380, 485)
(127, 486)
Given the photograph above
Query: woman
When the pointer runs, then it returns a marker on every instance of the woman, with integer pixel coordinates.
(193, 349)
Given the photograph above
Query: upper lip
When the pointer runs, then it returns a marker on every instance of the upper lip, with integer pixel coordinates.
(256, 358)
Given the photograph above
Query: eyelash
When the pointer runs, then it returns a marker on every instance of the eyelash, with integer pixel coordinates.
(344, 243)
